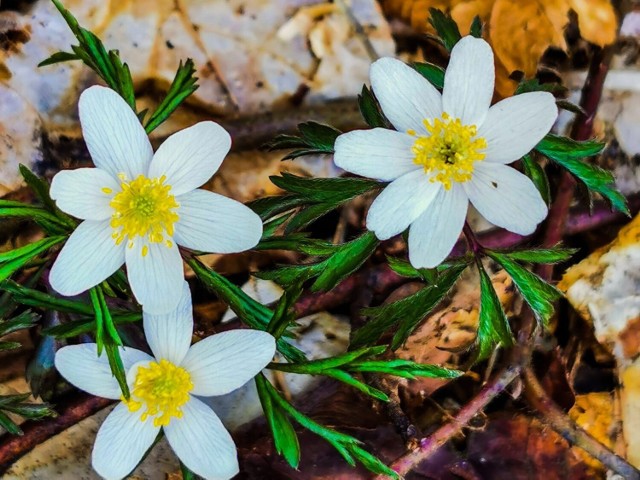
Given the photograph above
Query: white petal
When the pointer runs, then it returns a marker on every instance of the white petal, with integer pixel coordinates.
(406, 97)
(516, 124)
(82, 368)
(468, 81)
(400, 203)
(115, 138)
(506, 198)
(201, 442)
(191, 156)
(156, 279)
(122, 441)
(84, 193)
(169, 334)
(214, 223)
(89, 257)
(223, 362)
(434, 233)
(379, 153)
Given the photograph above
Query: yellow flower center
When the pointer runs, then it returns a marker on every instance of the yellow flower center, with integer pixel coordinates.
(162, 388)
(449, 151)
(145, 208)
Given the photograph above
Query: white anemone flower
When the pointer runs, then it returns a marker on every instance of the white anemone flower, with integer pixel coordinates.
(163, 392)
(138, 206)
(449, 149)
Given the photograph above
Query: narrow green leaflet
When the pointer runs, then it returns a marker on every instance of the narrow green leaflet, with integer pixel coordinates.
(250, 311)
(41, 189)
(284, 435)
(183, 85)
(406, 313)
(403, 368)
(59, 57)
(346, 259)
(35, 298)
(107, 338)
(493, 326)
(476, 27)
(283, 314)
(14, 260)
(314, 138)
(348, 446)
(18, 405)
(446, 28)
(534, 85)
(297, 242)
(48, 221)
(370, 109)
(535, 291)
(431, 72)
(538, 176)
(568, 154)
(88, 325)
(540, 255)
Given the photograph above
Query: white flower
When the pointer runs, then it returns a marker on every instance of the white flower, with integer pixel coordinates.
(137, 206)
(448, 150)
(163, 391)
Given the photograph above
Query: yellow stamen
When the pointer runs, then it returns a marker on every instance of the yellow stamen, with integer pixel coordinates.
(107, 190)
(145, 208)
(449, 151)
(162, 388)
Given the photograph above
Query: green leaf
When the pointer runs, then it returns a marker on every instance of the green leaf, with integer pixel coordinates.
(250, 311)
(324, 190)
(35, 298)
(88, 325)
(9, 425)
(269, 207)
(116, 365)
(535, 291)
(540, 255)
(538, 176)
(283, 314)
(18, 405)
(284, 435)
(296, 242)
(476, 27)
(186, 473)
(347, 259)
(59, 57)
(403, 368)
(314, 138)
(567, 153)
(14, 260)
(51, 223)
(371, 110)
(370, 462)
(405, 269)
(314, 367)
(493, 326)
(446, 28)
(348, 379)
(183, 85)
(570, 107)
(534, 85)
(431, 72)
(26, 319)
(406, 313)
(41, 189)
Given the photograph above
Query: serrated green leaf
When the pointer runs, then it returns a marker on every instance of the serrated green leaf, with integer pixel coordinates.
(567, 153)
(433, 73)
(182, 86)
(350, 380)
(325, 190)
(403, 368)
(59, 57)
(35, 298)
(446, 28)
(284, 435)
(314, 367)
(370, 109)
(14, 260)
(476, 27)
(538, 176)
(406, 313)
(538, 294)
(314, 138)
(346, 259)
(534, 85)
(540, 255)
(493, 326)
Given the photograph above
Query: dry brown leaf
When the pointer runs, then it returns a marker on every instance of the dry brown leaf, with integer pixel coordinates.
(597, 20)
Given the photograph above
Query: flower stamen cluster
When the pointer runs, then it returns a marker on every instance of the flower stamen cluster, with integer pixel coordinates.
(449, 151)
(145, 208)
(163, 388)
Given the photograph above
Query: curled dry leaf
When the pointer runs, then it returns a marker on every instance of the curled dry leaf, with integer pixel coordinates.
(519, 30)
(603, 288)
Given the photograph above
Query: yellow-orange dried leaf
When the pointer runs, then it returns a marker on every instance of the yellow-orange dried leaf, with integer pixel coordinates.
(597, 20)
(521, 30)
(594, 413)
(465, 11)
(416, 12)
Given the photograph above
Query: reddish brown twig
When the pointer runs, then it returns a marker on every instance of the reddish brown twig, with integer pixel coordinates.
(35, 432)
